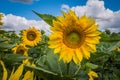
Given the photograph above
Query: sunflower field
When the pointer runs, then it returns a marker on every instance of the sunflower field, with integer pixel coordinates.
(74, 50)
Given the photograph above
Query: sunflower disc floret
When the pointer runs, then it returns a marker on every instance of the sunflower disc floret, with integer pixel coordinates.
(74, 38)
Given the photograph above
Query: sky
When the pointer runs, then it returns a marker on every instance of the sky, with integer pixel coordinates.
(18, 14)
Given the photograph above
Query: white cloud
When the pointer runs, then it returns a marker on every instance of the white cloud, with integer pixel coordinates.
(64, 7)
(106, 18)
(17, 23)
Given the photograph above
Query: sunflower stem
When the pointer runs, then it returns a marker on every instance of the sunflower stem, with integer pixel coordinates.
(68, 68)
(79, 66)
(60, 69)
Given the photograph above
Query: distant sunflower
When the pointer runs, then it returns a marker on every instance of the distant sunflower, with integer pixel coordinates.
(118, 48)
(1, 16)
(20, 48)
(74, 38)
(31, 36)
(27, 62)
(92, 74)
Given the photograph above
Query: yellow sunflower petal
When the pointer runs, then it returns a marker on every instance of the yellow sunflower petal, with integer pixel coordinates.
(55, 36)
(61, 19)
(95, 33)
(62, 54)
(14, 50)
(79, 54)
(54, 46)
(5, 73)
(57, 50)
(18, 73)
(64, 14)
(68, 56)
(29, 75)
(75, 59)
(73, 14)
(20, 48)
(85, 22)
(12, 72)
(59, 26)
(25, 54)
(26, 61)
(93, 28)
(85, 52)
(92, 40)
(54, 42)
(90, 47)
(92, 74)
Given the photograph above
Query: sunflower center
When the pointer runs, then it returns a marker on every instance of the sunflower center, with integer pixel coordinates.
(73, 39)
(20, 50)
(31, 35)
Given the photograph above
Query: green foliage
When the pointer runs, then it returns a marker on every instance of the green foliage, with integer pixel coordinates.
(15, 57)
(110, 37)
(107, 57)
(106, 61)
(46, 17)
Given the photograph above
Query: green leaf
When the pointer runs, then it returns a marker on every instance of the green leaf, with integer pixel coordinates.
(6, 46)
(113, 47)
(91, 65)
(3, 39)
(81, 75)
(15, 57)
(49, 75)
(107, 47)
(2, 31)
(41, 69)
(49, 61)
(46, 17)
(106, 37)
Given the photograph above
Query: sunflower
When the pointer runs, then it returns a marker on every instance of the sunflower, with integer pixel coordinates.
(29, 75)
(27, 62)
(74, 38)
(92, 74)
(1, 16)
(118, 48)
(31, 36)
(17, 74)
(20, 48)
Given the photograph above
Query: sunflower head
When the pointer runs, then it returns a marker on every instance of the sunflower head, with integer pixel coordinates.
(1, 23)
(1, 15)
(92, 74)
(27, 62)
(74, 38)
(118, 48)
(31, 36)
(20, 48)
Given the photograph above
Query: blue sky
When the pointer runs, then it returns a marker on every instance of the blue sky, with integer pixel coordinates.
(18, 14)
(45, 6)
